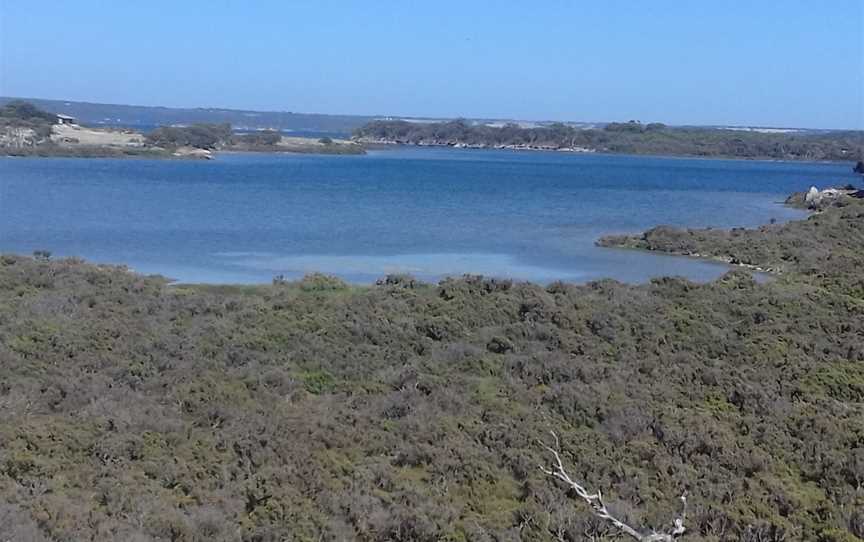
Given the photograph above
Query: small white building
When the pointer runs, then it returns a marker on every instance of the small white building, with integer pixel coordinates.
(66, 119)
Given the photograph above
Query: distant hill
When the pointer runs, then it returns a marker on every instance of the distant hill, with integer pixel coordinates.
(143, 117)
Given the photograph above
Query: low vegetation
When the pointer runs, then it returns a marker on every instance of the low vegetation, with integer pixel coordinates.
(263, 137)
(269, 141)
(626, 138)
(137, 410)
(199, 136)
(822, 249)
(212, 137)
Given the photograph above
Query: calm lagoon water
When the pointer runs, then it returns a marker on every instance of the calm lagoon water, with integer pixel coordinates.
(429, 212)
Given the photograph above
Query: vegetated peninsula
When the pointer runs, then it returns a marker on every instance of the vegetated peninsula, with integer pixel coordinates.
(311, 410)
(799, 246)
(624, 138)
(26, 130)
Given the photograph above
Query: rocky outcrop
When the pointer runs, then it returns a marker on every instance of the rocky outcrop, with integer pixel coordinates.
(817, 200)
(193, 152)
(17, 137)
(462, 145)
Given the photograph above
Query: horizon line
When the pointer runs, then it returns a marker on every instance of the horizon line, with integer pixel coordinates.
(419, 117)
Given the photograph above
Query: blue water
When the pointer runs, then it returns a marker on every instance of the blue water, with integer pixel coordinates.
(429, 212)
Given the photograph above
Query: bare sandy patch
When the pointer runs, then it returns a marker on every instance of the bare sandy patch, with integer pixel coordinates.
(71, 135)
(287, 141)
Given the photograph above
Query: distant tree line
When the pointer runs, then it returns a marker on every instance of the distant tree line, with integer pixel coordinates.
(634, 127)
(210, 137)
(221, 136)
(627, 138)
(260, 137)
(26, 111)
(201, 136)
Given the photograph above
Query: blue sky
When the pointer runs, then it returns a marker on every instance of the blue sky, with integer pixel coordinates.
(776, 63)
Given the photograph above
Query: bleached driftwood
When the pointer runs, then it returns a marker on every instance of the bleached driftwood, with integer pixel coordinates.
(598, 507)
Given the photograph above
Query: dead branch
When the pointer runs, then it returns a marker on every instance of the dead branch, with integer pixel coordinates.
(598, 507)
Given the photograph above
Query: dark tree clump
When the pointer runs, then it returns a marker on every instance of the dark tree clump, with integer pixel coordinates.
(260, 138)
(26, 111)
(201, 136)
(622, 137)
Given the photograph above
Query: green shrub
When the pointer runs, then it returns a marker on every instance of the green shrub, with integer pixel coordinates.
(261, 138)
(318, 382)
(318, 282)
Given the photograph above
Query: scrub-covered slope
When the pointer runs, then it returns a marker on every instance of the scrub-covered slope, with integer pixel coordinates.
(135, 410)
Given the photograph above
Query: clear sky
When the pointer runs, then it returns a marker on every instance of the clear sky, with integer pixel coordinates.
(759, 62)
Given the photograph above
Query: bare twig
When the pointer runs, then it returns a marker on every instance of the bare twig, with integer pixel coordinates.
(598, 507)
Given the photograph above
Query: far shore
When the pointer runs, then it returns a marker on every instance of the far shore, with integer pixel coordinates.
(161, 154)
(393, 145)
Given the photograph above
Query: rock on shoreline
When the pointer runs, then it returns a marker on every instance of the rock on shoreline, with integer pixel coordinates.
(815, 199)
(461, 145)
(193, 152)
